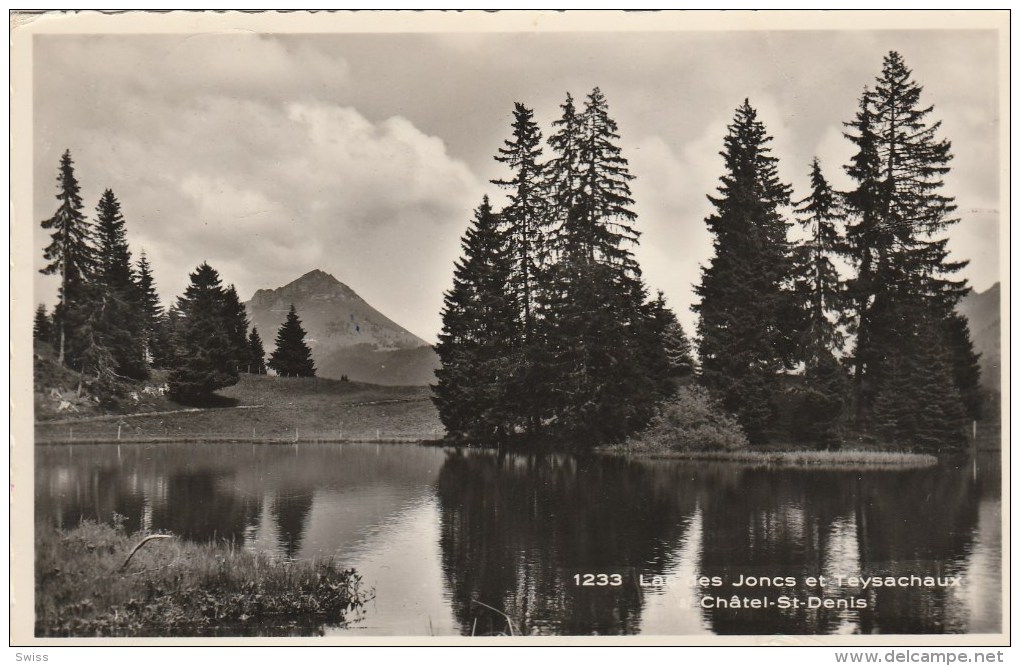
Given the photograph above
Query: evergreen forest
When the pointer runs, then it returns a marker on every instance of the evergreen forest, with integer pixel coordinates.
(824, 316)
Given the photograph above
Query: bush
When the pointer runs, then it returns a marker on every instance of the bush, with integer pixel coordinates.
(690, 421)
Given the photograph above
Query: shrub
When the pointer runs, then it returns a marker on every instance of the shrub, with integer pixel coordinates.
(690, 421)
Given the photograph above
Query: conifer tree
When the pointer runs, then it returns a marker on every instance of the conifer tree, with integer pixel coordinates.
(480, 330)
(666, 351)
(71, 255)
(917, 404)
(292, 357)
(42, 328)
(204, 354)
(817, 282)
(523, 215)
(237, 328)
(256, 353)
(745, 308)
(151, 311)
(603, 230)
(117, 298)
(964, 362)
(678, 349)
(164, 347)
(822, 393)
(563, 185)
(599, 335)
(897, 242)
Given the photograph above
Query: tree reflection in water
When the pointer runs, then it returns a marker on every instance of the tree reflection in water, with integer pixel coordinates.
(515, 529)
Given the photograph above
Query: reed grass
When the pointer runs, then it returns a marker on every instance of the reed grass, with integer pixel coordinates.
(175, 588)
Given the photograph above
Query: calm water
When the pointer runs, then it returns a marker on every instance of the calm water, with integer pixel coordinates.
(437, 533)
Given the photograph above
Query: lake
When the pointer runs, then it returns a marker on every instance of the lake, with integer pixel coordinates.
(454, 542)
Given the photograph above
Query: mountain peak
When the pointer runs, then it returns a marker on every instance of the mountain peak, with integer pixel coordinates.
(347, 335)
(317, 276)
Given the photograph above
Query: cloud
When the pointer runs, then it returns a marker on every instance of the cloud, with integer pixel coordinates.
(364, 154)
(265, 189)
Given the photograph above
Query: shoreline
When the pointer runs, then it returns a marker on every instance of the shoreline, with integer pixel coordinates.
(90, 441)
(791, 458)
(780, 458)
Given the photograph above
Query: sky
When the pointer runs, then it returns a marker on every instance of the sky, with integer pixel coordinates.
(364, 155)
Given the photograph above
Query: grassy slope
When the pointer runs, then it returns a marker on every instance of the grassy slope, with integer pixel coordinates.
(272, 408)
(175, 588)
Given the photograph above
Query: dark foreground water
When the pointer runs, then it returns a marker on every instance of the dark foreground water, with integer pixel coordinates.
(442, 534)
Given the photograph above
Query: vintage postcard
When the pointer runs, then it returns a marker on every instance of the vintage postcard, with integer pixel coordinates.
(519, 327)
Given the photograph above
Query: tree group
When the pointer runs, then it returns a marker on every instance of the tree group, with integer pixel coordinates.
(548, 329)
(771, 308)
(108, 322)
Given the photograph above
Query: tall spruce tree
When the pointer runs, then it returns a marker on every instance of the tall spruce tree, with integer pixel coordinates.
(292, 357)
(204, 358)
(151, 312)
(822, 393)
(523, 215)
(523, 222)
(562, 177)
(117, 297)
(71, 255)
(745, 307)
(598, 370)
(256, 353)
(897, 243)
(816, 279)
(481, 327)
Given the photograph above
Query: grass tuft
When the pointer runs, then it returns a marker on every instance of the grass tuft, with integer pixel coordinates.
(176, 588)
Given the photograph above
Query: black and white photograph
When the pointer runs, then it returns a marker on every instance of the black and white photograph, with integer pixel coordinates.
(463, 326)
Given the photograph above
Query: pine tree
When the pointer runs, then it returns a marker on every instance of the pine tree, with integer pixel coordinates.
(598, 333)
(678, 349)
(42, 328)
(292, 357)
(524, 214)
(117, 298)
(256, 353)
(917, 404)
(562, 178)
(822, 392)
(70, 253)
(151, 312)
(481, 327)
(164, 345)
(604, 232)
(964, 361)
(817, 282)
(897, 241)
(204, 354)
(666, 349)
(745, 308)
(237, 328)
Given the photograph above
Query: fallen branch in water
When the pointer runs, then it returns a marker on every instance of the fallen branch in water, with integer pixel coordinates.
(140, 544)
